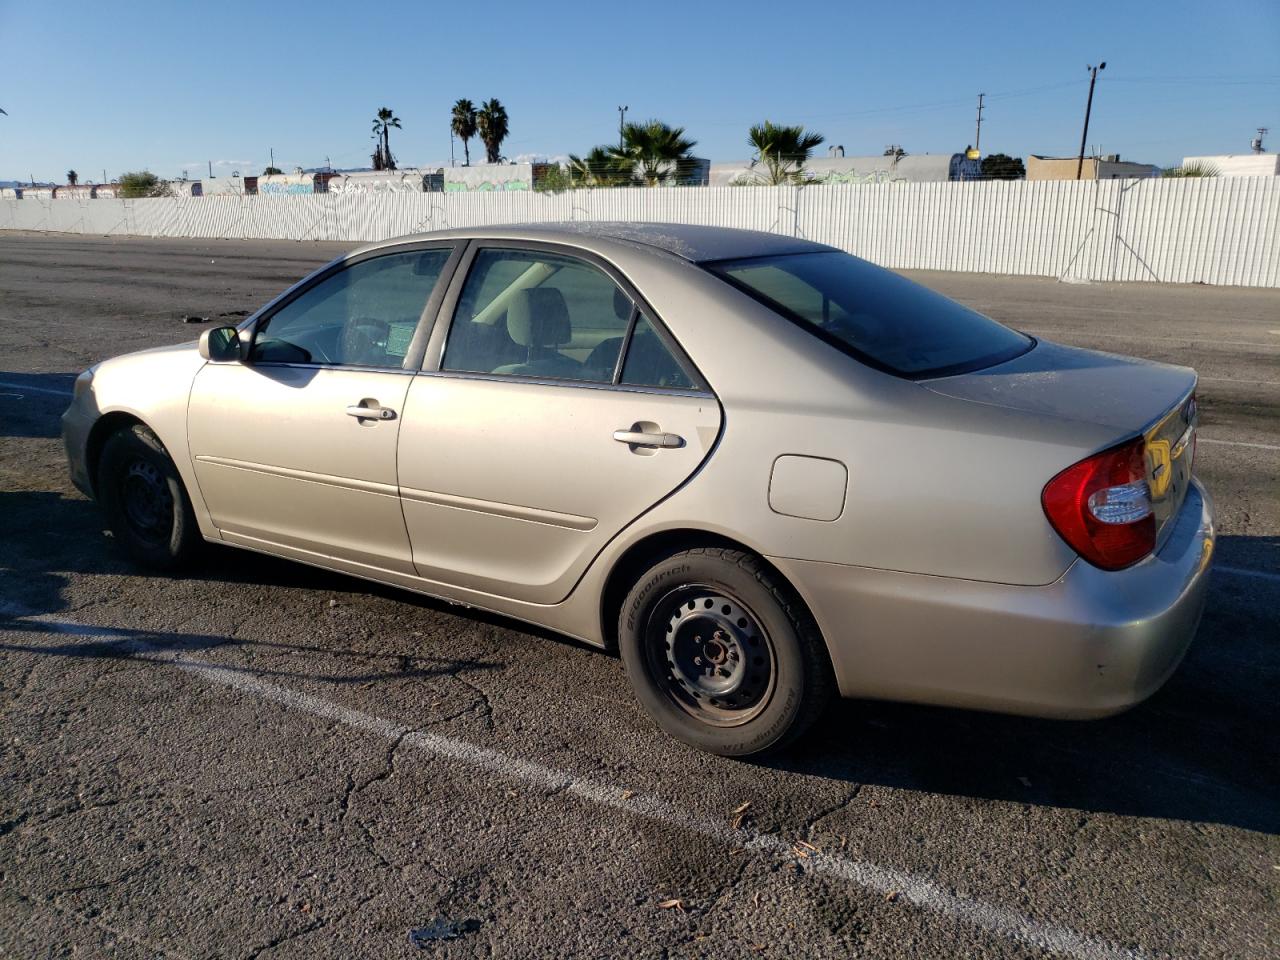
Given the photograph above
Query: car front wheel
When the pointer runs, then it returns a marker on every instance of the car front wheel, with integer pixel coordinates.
(722, 654)
(143, 498)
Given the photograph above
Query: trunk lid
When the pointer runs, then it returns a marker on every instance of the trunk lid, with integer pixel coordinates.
(1126, 395)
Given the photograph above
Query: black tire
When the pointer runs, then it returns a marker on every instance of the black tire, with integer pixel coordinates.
(722, 654)
(146, 505)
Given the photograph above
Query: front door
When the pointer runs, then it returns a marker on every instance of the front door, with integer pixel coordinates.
(559, 413)
(296, 446)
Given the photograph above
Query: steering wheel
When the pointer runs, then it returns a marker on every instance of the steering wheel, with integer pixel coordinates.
(364, 339)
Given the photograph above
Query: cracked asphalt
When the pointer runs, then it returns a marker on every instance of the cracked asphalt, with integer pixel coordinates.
(265, 760)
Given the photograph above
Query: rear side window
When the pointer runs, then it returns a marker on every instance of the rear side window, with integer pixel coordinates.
(877, 316)
(529, 313)
(649, 363)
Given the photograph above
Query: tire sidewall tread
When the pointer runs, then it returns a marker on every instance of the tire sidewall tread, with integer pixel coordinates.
(803, 680)
(119, 448)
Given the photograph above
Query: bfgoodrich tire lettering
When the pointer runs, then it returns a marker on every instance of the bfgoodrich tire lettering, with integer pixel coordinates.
(145, 503)
(722, 654)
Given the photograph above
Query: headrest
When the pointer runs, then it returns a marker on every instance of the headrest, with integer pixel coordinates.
(621, 305)
(538, 317)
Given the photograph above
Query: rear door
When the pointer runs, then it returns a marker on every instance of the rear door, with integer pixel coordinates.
(295, 447)
(552, 412)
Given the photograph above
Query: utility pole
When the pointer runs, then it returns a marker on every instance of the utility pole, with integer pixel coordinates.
(622, 117)
(1088, 107)
(1257, 144)
(452, 161)
(977, 138)
(272, 151)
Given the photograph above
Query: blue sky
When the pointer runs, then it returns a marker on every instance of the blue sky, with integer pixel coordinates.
(169, 86)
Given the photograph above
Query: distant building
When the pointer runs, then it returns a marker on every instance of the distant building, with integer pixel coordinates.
(222, 186)
(909, 168)
(410, 180)
(1240, 164)
(74, 191)
(1094, 168)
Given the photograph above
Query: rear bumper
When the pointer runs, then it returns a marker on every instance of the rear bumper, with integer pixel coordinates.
(1091, 644)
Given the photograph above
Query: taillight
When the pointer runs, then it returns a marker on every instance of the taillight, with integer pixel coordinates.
(1102, 507)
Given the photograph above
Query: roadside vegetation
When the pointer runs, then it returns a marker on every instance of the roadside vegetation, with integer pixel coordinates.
(139, 184)
(1001, 166)
(1191, 170)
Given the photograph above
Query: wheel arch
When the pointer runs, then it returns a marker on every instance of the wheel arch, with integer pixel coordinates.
(104, 427)
(642, 554)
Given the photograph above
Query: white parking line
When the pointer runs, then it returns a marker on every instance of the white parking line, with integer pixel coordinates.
(1255, 574)
(26, 388)
(914, 888)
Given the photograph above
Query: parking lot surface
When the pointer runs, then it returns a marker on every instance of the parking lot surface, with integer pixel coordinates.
(264, 760)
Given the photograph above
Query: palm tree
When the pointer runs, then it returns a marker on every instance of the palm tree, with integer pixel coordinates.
(491, 124)
(781, 152)
(653, 149)
(601, 167)
(72, 177)
(382, 125)
(464, 125)
(1194, 169)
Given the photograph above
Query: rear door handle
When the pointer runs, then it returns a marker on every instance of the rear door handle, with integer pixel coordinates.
(366, 411)
(635, 438)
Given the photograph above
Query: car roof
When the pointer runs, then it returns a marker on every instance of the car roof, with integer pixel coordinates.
(697, 244)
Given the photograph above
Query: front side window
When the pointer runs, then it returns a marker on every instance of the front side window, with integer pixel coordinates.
(364, 315)
(874, 314)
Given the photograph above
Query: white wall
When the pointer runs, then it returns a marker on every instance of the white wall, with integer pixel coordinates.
(1240, 164)
(1209, 230)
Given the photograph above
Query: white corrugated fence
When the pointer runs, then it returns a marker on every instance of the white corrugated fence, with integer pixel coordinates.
(1218, 230)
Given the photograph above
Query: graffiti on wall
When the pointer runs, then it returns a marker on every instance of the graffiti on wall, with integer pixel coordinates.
(484, 186)
(276, 189)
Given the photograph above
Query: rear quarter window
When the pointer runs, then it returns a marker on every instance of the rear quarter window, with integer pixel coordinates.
(877, 316)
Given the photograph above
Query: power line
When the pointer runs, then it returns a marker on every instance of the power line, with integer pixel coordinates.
(1224, 79)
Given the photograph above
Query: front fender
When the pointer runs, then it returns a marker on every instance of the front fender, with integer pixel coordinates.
(152, 387)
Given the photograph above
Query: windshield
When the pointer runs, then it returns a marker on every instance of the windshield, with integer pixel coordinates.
(877, 316)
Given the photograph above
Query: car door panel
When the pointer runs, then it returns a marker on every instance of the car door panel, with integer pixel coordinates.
(279, 459)
(512, 487)
(296, 445)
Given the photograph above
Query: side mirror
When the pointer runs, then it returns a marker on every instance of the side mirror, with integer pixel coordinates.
(220, 345)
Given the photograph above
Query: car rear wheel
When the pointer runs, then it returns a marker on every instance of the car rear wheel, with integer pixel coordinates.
(142, 495)
(722, 654)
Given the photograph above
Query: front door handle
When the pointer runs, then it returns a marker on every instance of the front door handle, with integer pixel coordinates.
(370, 410)
(635, 438)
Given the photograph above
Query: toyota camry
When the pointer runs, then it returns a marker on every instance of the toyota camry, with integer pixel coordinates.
(762, 470)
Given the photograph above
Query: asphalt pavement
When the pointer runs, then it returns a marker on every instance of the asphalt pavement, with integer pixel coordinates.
(263, 760)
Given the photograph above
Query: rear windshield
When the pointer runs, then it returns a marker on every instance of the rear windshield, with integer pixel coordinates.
(877, 316)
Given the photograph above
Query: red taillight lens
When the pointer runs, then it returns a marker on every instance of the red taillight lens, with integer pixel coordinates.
(1102, 507)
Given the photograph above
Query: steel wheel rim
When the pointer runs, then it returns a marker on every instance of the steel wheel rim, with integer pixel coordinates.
(710, 655)
(147, 502)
